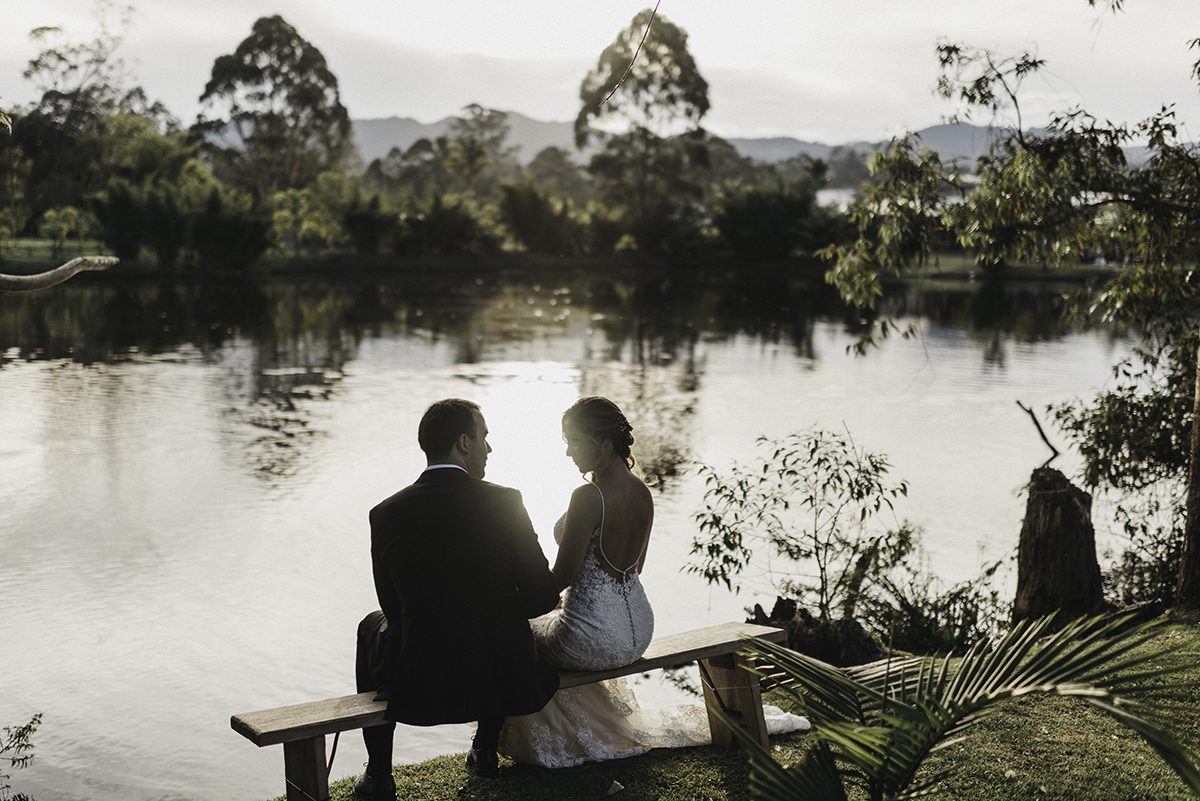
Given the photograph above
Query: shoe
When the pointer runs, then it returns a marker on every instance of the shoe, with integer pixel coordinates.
(483, 763)
(375, 788)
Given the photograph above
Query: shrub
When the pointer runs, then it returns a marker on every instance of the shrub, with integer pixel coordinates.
(537, 223)
(445, 228)
(231, 232)
(763, 224)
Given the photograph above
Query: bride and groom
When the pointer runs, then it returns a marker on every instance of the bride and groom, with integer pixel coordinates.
(474, 623)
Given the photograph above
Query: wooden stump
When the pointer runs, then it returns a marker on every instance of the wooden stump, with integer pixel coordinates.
(1056, 558)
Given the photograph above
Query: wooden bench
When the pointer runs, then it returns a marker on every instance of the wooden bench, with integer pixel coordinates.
(727, 685)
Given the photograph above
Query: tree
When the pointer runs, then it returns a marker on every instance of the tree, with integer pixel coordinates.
(813, 503)
(478, 156)
(647, 172)
(1063, 196)
(279, 120)
(553, 172)
(86, 122)
(660, 91)
(58, 224)
(653, 185)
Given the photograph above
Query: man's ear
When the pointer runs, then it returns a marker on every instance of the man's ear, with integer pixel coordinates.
(464, 443)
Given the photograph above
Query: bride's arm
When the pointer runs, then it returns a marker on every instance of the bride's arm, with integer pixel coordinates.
(583, 515)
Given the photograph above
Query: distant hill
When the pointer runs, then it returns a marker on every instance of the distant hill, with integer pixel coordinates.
(376, 137)
(957, 141)
(951, 141)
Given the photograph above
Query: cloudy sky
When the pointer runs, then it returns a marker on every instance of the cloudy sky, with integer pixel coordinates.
(822, 70)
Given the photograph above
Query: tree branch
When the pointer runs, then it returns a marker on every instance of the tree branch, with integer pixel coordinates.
(27, 283)
(1041, 433)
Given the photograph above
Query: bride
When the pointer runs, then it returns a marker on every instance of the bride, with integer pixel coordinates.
(604, 619)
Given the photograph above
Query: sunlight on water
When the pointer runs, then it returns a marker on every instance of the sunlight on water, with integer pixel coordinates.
(184, 534)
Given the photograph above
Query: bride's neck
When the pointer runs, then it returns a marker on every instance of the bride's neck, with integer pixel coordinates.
(611, 467)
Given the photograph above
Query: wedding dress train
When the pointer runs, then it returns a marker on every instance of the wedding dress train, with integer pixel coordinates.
(605, 621)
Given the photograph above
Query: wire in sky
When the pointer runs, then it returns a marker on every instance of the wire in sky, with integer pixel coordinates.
(633, 60)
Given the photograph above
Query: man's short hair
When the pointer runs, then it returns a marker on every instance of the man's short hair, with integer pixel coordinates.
(442, 424)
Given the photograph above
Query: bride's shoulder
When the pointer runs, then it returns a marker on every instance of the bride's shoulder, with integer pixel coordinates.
(585, 496)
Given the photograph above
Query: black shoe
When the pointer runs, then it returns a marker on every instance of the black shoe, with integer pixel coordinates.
(483, 763)
(375, 788)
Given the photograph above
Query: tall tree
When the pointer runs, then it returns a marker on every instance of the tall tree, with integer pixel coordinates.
(478, 156)
(648, 170)
(661, 91)
(278, 121)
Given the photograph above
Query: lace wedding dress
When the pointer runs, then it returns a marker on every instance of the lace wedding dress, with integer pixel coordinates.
(605, 621)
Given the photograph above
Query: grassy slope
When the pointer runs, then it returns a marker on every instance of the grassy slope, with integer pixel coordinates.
(1031, 749)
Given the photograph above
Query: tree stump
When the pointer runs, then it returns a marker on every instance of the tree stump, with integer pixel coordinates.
(1057, 569)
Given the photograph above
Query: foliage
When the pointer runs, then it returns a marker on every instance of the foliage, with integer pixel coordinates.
(537, 223)
(813, 502)
(367, 224)
(767, 223)
(660, 92)
(300, 221)
(478, 157)
(653, 186)
(1147, 571)
(554, 173)
(231, 232)
(419, 171)
(876, 725)
(913, 614)
(1150, 393)
(898, 220)
(278, 117)
(447, 227)
(120, 211)
(16, 749)
(59, 224)
(1067, 193)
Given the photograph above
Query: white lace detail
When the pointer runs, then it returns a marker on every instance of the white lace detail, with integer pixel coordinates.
(604, 621)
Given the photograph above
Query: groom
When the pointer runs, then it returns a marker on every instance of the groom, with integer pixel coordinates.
(458, 572)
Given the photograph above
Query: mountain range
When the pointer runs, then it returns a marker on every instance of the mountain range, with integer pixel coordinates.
(375, 137)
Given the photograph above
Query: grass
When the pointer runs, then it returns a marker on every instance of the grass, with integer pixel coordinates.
(1040, 748)
(23, 255)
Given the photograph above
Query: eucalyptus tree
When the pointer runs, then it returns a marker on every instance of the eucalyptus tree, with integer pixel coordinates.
(651, 105)
(273, 115)
(60, 139)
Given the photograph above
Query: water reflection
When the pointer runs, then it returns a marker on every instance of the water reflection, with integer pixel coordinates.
(282, 345)
(190, 464)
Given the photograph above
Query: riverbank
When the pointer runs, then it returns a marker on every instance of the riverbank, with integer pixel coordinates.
(1043, 749)
(24, 256)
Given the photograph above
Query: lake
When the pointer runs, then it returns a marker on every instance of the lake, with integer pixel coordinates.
(188, 467)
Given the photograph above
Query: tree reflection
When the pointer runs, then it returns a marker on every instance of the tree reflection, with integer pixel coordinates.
(281, 345)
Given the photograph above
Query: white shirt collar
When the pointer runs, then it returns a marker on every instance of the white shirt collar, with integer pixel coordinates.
(442, 466)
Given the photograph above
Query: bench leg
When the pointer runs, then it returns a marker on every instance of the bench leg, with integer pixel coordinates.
(735, 691)
(304, 770)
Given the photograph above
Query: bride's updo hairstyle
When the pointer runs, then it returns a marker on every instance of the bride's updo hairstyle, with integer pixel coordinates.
(601, 419)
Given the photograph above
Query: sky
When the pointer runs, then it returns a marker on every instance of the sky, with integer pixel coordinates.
(820, 70)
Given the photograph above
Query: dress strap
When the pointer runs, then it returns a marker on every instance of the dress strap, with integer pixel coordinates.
(600, 542)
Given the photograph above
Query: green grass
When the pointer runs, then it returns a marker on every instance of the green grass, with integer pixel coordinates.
(1043, 749)
(25, 255)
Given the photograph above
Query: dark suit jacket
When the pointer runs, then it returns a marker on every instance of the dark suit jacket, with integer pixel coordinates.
(459, 572)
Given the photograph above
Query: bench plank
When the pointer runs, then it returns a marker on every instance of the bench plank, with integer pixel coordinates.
(318, 718)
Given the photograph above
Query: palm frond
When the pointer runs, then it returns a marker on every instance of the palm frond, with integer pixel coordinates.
(882, 720)
(817, 778)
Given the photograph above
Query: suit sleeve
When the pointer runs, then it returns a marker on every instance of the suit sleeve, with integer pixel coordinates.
(537, 588)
